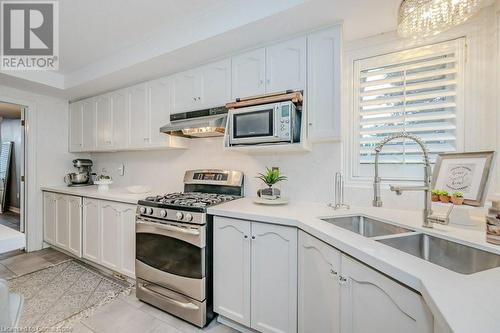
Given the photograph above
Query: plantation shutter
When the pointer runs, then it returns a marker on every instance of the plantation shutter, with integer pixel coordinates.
(416, 91)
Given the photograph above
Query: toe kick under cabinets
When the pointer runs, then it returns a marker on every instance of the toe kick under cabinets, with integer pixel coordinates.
(271, 278)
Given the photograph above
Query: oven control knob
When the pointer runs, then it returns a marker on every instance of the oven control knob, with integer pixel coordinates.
(179, 215)
(189, 217)
(150, 211)
(142, 210)
(163, 213)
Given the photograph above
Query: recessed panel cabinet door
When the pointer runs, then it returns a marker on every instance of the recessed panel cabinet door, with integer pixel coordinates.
(110, 216)
(91, 229)
(62, 221)
(75, 225)
(319, 289)
(120, 123)
(75, 127)
(160, 103)
(274, 278)
(323, 84)
(216, 83)
(371, 302)
(139, 116)
(286, 66)
(89, 125)
(186, 91)
(232, 269)
(127, 239)
(248, 74)
(49, 218)
(104, 119)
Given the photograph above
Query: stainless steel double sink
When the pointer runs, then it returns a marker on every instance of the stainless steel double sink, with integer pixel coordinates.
(448, 254)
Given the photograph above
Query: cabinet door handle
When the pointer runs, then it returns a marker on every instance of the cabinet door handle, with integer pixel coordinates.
(333, 272)
(342, 280)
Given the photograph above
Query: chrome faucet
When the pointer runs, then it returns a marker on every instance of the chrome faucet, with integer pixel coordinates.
(428, 218)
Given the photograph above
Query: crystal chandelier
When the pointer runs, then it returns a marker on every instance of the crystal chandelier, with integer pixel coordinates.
(424, 18)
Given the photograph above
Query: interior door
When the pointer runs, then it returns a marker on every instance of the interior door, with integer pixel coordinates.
(232, 269)
(139, 117)
(319, 289)
(274, 278)
(216, 83)
(286, 66)
(160, 104)
(248, 74)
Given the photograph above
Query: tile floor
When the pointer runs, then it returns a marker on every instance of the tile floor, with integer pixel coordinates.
(10, 219)
(126, 314)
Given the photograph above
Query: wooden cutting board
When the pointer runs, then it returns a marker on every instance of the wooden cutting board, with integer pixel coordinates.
(295, 97)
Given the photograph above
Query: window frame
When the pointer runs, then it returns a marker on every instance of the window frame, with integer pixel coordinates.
(351, 145)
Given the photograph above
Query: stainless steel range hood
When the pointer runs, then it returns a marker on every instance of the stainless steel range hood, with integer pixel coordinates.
(197, 124)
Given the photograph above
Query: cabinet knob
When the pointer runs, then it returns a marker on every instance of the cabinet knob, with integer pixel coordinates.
(194, 98)
(333, 272)
(253, 237)
(246, 236)
(310, 124)
(342, 280)
(261, 82)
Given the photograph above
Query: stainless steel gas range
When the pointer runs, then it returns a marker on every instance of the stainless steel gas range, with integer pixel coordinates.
(174, 244)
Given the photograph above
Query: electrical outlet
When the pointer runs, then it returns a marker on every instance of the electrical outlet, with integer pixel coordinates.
(121, 169)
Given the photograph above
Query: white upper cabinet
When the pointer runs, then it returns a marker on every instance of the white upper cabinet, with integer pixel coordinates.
(104, 120)
(139, 116)
(89, 125)
(120, 118)
(249, 74)
(216, 83)
(186, 91)
(286, 66)
(323, 84)
(75, 126)
(319, 290)
(160, 104)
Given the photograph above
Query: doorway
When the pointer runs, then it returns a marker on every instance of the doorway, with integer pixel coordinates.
(12, 158)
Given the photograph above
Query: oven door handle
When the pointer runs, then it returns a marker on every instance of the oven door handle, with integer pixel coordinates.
(168, 227)
(190, 306)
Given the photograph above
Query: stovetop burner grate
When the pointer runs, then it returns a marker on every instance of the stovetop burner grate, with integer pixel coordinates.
(191, 199)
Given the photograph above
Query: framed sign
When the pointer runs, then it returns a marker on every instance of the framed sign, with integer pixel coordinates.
(468, 173)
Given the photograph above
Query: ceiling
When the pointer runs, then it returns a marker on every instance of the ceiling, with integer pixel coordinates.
(11, 111)
(109, 44)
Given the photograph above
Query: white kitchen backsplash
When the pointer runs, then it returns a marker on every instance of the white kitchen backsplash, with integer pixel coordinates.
(310, 175)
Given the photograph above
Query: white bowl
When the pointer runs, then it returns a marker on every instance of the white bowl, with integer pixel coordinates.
(138, 189)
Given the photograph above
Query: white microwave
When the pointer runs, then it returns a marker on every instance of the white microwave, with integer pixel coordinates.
(261, 124)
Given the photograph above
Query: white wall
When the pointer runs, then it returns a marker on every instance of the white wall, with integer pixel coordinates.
(47, 157)
(310, 175)
(10, 130)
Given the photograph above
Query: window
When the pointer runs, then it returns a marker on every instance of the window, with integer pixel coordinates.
(418, 91)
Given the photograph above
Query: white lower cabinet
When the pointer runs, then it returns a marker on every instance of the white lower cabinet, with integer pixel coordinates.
(100, 231)
(372, 302)
(63, 221)
(340, 294)
(109, 235)
(319, 290)
(255, 274)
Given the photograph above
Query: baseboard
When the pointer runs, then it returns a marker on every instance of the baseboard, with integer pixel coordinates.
(234, 325)
(14, 209)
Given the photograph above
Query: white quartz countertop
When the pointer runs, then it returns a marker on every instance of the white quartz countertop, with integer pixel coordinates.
(466, 303)
(113, 194)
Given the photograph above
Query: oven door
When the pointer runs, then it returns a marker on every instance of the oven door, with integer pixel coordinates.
(172, 255)
(257, 124)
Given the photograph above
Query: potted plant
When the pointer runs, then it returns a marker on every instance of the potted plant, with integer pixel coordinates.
(457, 198)
(270, 178)
(443, 196)
(435, 195)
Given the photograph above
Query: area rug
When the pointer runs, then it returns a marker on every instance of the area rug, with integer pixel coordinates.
(59, 295)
